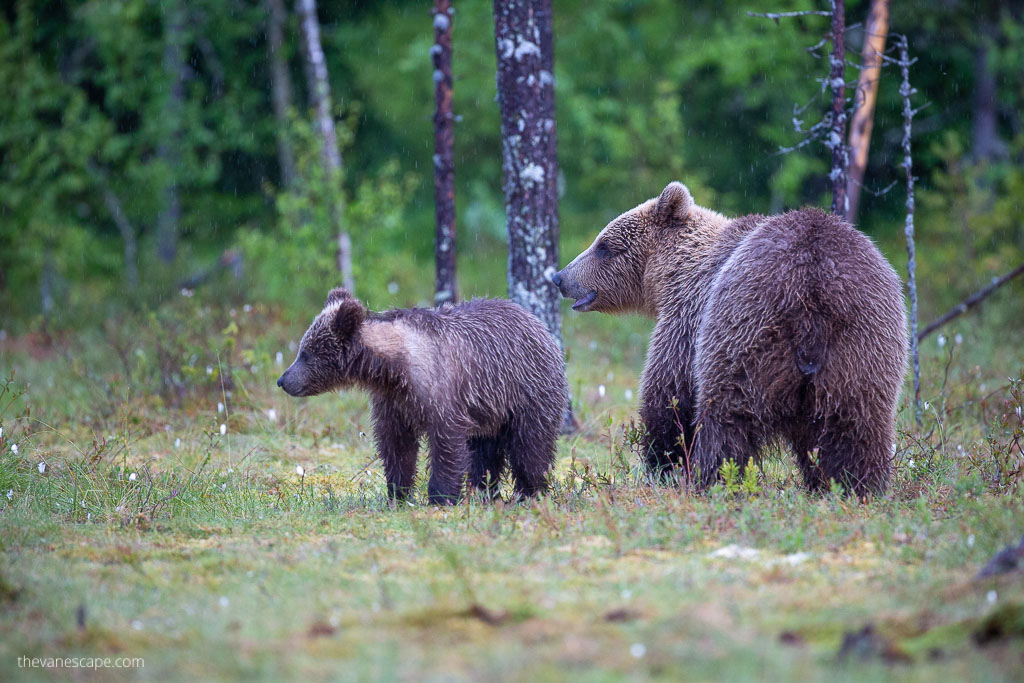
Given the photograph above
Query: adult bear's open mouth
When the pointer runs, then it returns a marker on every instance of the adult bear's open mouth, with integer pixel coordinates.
(583, 304)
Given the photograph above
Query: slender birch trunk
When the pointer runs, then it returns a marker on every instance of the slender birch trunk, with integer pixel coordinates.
(444, 163)
(320, 93)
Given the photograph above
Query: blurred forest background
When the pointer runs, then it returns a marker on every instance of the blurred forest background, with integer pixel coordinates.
(139, 143)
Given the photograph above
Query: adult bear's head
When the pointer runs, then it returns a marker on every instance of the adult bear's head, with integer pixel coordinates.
(609, 276)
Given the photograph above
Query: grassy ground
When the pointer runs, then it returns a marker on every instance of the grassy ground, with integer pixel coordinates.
(133, 524)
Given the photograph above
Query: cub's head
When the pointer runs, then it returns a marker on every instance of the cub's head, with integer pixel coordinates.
(324, 361)
(609, 276)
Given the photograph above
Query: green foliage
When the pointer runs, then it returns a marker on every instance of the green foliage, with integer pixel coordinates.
(647, 91)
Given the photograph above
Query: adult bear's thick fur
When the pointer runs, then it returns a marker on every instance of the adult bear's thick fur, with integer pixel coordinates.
(788, 326)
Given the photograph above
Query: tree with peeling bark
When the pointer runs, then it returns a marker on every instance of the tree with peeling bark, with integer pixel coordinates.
(445, 287)
(836, 140)
(281, 88)
(320, 96)
(875, 30)
(832, 128)
(526, 98)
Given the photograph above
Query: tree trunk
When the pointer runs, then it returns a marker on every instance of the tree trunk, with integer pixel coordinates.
(320, 93)
(168, 151)
(281, 89)
(444, 164)
(837, 82)
(985, 141)
(875, 31)
(526, 98)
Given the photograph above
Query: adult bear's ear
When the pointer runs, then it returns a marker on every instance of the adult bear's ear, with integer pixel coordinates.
(337, 294)
(674, 204)
(347, 318)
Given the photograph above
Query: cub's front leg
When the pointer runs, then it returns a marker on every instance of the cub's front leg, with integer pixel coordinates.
(397, 445)
(449, 461)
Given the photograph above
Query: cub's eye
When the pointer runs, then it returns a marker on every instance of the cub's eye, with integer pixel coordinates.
(601, 250)
(303, 357)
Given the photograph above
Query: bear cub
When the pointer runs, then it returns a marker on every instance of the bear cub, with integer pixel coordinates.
(483, 380)
(768, 328)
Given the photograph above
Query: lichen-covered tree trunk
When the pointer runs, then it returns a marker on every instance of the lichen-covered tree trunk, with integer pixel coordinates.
(281, 88)
(526, 98)
(168, 151)
(837, 82)
(320, 94)
(444, 163)
(875, 30)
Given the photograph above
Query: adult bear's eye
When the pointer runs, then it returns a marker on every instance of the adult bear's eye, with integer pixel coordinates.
(601, 250)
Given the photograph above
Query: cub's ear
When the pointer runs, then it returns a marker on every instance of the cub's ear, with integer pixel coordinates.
(337, 294)
(347, 318)
(674, 204)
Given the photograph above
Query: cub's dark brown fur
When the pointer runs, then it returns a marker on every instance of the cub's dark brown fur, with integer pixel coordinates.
(484, 380)
(788, 326)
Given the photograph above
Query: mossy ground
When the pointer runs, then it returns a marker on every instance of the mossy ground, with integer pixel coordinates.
(217, 559)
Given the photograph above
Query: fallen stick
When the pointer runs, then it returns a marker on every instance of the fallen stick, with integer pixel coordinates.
(970, 302)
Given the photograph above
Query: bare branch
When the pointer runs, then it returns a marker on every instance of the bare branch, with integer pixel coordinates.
(970, 302)
(775, 16)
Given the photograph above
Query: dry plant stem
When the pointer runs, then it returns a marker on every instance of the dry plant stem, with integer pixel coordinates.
(906, 91)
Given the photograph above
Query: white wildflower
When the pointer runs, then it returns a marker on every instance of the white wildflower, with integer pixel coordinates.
(628, 394)
(626, 594)
(224, 601)
(132, 476)
(637, 650)
(279, 359)
(209, 370)
(927, 405)
(42, 467)
(220, 407)
(600, 390)
(392, 287)
(991, 597)
(14, 448)
(299, 471)
(910, 463)
(942, 340)
(223, 429)
(177, 443)
(10, 494)
(272, 415)
(247, 308)
(959, 338)
(137, 625)
(224, 486)
(970, 541)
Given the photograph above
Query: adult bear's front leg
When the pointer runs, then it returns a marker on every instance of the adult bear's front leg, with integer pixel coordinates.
(666, 404)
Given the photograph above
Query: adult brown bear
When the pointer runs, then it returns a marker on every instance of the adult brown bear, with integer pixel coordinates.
(790, 326)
